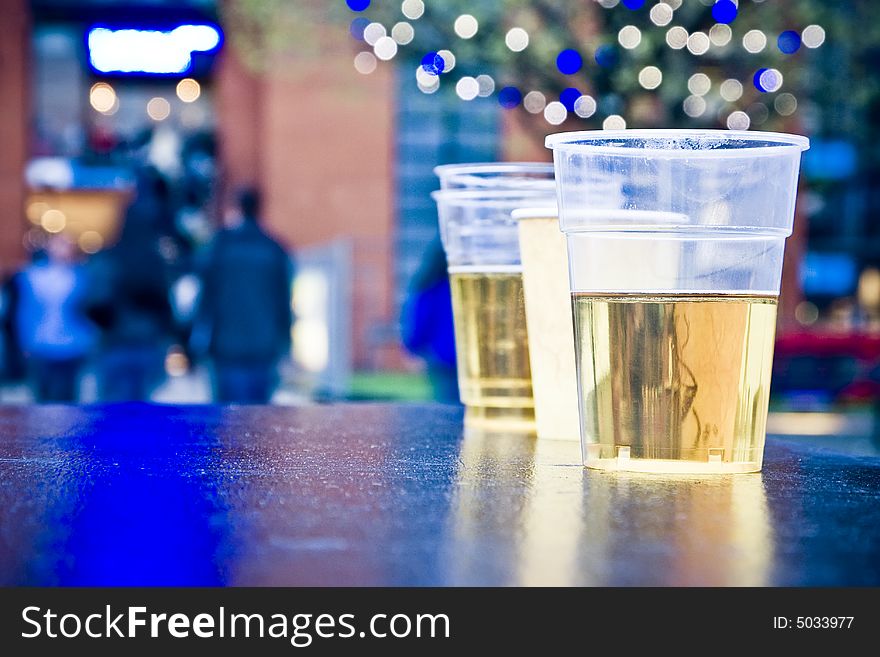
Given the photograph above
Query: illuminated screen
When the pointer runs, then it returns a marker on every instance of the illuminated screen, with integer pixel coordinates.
(150, 51)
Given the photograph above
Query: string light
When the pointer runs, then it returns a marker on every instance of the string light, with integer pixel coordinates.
(738, 120)
(403, 33)
(676, 37)
(467, 88)
(585, 106)
(614, 122)
(466, 26)
(448, 58)
(373, 32)
(699, 84)
(785, 104)
(413, 9)
(629, 37)
(486, 85)
(661, 14)
(813, 36)
(698, 43)
(365, 62)
(694, 106)
(555, 113)
(517, 39)
(650, 77)
(534, 102)
(754, 41)
(720, 34)
(731, 90)
(385, 48)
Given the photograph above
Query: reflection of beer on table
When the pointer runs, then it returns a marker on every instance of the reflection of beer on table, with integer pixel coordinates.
(674, 377)
(492, 344)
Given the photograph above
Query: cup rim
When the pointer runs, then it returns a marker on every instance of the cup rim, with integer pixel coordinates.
(499, 198)
(536, 212)
(470, 168)
(590, 141)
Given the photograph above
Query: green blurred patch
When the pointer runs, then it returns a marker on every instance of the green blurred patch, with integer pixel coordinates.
(390, 386)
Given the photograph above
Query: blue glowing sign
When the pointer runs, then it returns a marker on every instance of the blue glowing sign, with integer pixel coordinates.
(156, 52)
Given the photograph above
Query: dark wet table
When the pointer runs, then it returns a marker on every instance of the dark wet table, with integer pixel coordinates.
(395, 495)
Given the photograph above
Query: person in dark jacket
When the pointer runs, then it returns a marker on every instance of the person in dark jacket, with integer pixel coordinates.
(427, 326)
(245, 307)
(130, 302)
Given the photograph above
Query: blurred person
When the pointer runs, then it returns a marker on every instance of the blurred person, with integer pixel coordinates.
(244, 307)
(52, 327)
(130, 301)
(426, 325)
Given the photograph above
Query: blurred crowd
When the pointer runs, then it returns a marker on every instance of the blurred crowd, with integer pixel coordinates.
(121, 313)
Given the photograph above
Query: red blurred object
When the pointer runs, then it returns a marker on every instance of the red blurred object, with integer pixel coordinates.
(864, 346)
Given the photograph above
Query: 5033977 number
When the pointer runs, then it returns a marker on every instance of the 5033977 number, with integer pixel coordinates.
(813, 622)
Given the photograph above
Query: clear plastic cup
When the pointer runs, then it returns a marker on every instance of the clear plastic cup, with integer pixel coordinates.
(548, 318)
(675, 242)
(514, 176)
(485, 275)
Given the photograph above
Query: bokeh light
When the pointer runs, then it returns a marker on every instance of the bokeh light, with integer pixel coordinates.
(813, 36)
(758, 113)
(102, 98)
(785, 104)
(608, 4)
(373, 32)
(698, 43)
(486, 85)
(467, 88)
(694, 106)
(158, 108)
(650, 77)
(433, 63)
(53, 221)
(789, 42)
(767, 80)
(466, 26)
(357, 5)
(517, 39)
(754, 41)
(36, 210)
(676, 37)
(585, 106)
(385, 48)
(606, 56)
(188, 90)
(720, 34)
(661, 14)
(738, 120)
(569, 61)
(724, 11)
(614, 122)
(90, 241)
(699, 84)
(629, 37)
(555, 113)
(448, 60)
(365, 62)
(412, 9)
(569, 97)
(357, 27)
(535, 102)
(402, 33)
(509, 97)
(731, 90)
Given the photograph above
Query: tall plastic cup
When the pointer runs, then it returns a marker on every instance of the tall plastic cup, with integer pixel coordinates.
(675, 242)
(548, 317)
(485, 276)
(513, 176)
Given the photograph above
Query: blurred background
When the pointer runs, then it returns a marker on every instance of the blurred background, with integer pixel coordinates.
(167, 165)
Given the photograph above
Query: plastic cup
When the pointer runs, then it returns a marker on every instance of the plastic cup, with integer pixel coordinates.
(514, 176)
(485, 274)
(675, 242)
(548, 317)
